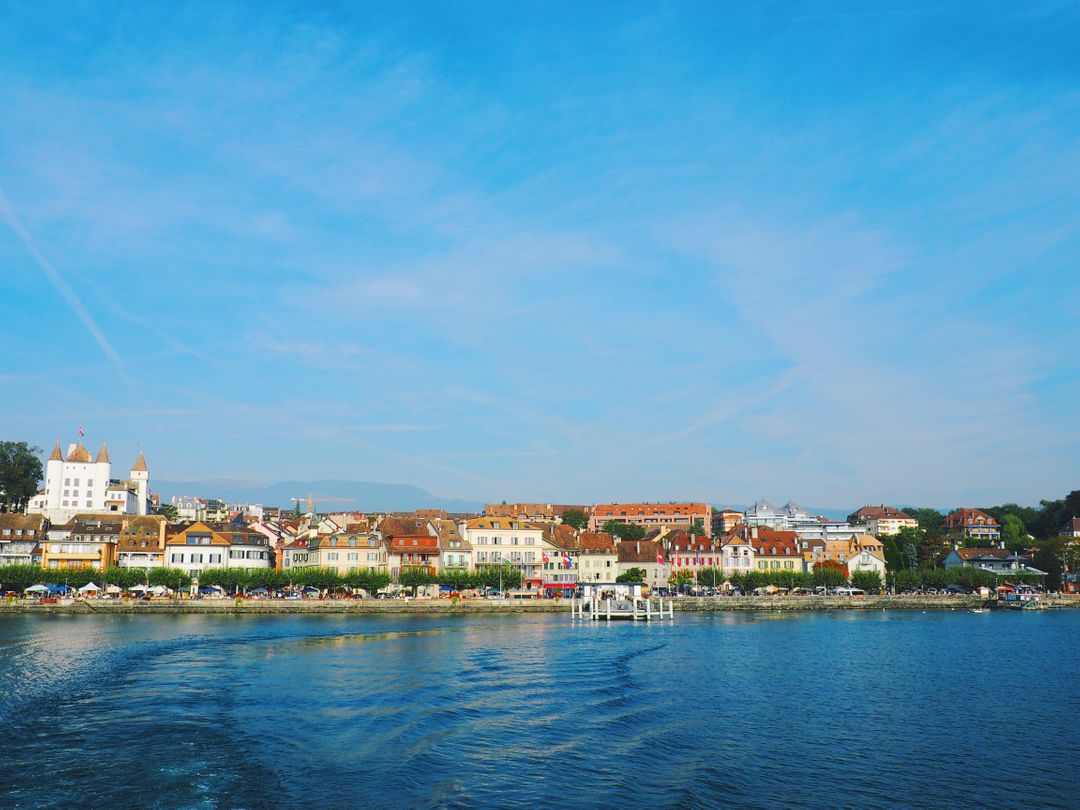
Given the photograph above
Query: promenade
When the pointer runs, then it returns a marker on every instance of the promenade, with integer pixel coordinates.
(489, 606)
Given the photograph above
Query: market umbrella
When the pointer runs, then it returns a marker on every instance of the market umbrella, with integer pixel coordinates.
(37, 589)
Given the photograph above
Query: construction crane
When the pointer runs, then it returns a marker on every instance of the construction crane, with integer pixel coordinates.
(325, 499)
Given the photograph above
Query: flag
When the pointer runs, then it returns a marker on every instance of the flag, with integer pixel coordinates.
(545, 557)
(659, 557)
(81, 431)
(566, 559)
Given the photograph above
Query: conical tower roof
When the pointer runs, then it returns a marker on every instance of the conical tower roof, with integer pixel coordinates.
(140, 464)
(103, 454)
(56, 455)
(80, 454)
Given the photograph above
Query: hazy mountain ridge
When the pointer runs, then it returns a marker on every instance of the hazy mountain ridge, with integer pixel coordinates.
(364, 496)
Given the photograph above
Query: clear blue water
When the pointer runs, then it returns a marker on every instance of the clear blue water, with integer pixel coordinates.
(755, 710)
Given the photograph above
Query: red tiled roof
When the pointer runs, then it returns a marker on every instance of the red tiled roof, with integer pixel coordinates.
(408, 525)
(596, 542)
(638, 551)
(414, 544)
(969, 517)
(877, 513)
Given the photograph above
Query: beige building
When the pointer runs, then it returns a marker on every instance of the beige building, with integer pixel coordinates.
(530, 512)
(598, 560)
(651, 515)
(141, 542)
(882, 520)
(520, 543)
(456, 551)
(346, 553)
(647, 555)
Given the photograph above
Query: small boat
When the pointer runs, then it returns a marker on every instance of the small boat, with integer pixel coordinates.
(978, 610)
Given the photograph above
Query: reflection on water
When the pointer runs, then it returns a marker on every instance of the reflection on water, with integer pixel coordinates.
(799, 710)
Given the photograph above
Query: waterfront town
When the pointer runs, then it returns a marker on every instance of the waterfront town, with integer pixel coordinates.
(86, 524)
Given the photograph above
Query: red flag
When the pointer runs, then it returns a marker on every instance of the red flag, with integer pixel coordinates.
(659, 557)
(545, 557)
(81, 431)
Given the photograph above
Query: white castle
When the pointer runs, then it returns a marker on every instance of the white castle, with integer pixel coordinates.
(81, 484)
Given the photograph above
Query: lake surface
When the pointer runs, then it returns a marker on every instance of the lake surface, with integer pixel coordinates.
(758, 710)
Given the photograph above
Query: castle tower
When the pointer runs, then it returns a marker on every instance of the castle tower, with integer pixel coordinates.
(141, 477)
(54, 474)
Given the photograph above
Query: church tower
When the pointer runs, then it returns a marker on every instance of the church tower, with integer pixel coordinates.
(140, 476)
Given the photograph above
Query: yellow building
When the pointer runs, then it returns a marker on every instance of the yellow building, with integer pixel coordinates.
(87, 542)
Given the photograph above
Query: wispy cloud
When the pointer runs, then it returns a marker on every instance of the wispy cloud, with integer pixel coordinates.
(71, 298)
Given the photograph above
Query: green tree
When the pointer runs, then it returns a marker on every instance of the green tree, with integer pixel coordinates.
(623, 531)
(710, 576)
(684, 579)
(296, 510)
(930, 521)
(894, 560)
(413, 577)
(829, 575)
(20, 474)
(909, 540)
(576, 518)
(869, 581)
(171, 513)
(631, 575)
(1012, 532)
(697, 528)
(1053, 556)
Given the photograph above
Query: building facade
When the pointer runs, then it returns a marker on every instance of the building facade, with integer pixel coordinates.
(971, 524)
(882, 520)
(79, 483)
(651, 515)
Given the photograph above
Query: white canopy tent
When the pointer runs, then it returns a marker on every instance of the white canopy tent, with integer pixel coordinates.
(89, 587)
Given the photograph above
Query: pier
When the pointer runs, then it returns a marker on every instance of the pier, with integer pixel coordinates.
(609, 601)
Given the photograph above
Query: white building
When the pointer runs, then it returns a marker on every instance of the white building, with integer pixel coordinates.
(763, 513)
(495, 541)
(201, 546)
(79, 483)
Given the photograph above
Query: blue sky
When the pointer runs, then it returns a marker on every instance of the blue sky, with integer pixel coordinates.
(556, 252)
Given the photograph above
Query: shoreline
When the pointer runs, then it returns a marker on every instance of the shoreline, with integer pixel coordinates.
(479, 606)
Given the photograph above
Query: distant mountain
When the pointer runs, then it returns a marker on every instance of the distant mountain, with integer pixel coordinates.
(364, 496)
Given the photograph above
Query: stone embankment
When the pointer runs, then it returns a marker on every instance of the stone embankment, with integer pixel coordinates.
(474, 606)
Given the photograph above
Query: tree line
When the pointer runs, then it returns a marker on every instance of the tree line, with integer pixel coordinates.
(240, 580)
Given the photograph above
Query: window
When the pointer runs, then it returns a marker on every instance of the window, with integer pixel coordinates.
(353, 555)
(333, 555)
(373, 555)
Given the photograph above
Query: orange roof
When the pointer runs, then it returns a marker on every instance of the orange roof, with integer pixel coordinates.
(414, 544)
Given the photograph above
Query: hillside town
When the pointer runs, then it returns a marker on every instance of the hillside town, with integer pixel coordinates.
(85, 519)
